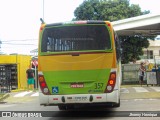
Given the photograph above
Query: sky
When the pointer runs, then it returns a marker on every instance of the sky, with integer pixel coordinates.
(20, 20)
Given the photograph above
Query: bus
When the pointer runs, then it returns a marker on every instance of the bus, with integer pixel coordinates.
(79, 64)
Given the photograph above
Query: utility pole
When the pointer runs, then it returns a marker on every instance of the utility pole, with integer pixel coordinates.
(43, 9)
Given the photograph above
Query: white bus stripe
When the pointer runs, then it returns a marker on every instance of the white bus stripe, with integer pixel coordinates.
(140, 89)
(22, 94)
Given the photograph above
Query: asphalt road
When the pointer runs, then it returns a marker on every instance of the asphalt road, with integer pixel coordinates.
(134, 105)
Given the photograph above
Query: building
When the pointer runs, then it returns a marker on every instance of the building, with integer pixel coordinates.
(13, 71)
(152, 53)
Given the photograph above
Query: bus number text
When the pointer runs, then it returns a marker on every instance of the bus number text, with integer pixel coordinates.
(98, 85)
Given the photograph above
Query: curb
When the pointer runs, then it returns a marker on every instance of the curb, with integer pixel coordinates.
(18, 90)
(128, 85)
(4, 97)
(21, 90)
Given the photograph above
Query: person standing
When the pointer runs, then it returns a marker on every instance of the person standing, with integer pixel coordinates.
(30, 79)
(142, 70)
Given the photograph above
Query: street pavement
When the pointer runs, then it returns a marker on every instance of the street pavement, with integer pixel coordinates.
(134, 98)
(127, 92)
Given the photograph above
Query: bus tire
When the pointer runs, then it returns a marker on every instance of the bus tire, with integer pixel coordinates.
(65, 107)
(62, 107)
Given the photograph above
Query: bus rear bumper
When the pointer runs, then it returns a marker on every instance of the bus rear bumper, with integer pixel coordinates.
(48, 100)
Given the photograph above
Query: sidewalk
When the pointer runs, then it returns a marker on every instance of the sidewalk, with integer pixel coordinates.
(147, 92)
(137, 85)
(4, 96)
(149, 95)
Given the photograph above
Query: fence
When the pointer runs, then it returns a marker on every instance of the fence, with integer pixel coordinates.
(8, 77)
(130, 74)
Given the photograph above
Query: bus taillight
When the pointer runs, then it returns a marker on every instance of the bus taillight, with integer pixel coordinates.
(109, 24)
(111, 82)
(43, 85)
(42, 27)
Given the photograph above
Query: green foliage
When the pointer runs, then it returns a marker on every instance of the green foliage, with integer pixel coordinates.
(113, 10)
(132, 47)
(106, 10)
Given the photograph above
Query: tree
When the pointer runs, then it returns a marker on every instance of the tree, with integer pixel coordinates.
(133, 47)
(113, 10)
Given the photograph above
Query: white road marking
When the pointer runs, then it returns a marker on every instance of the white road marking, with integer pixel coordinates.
(4, 105)
(124, 100)
(152, 99)
(138, 99)
(22, 94)
(124, 90)
(140, 89)
(35, 94)
(157, 89)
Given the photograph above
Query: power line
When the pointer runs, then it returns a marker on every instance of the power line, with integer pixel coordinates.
(20, 40)
(18, 44)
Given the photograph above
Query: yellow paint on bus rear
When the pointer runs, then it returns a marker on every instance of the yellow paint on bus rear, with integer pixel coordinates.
(69, 62)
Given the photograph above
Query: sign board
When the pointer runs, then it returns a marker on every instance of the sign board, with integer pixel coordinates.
(151, 78)
(35, 63)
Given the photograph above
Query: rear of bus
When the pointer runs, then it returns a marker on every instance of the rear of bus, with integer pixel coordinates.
(78, 65)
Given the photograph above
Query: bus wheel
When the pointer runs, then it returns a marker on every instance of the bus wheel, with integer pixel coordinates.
(62, 107)
(65, 107)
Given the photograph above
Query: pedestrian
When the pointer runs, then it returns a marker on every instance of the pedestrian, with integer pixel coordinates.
(30, 79)
(142, 71)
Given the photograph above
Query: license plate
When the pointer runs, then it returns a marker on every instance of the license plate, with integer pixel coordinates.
(77, 85)
(78, 98)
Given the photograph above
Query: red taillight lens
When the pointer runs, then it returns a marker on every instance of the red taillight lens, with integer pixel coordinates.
(113, 76)
(111, 82)
(41, 78)
(109, 24)
(42, 27)
(43, 85)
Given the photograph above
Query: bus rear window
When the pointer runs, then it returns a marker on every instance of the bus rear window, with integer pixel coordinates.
(75, 38)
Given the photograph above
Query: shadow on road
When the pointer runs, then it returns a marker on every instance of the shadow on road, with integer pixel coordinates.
(84, 113)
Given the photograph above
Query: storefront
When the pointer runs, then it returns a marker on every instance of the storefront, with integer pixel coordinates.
(13, 72)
